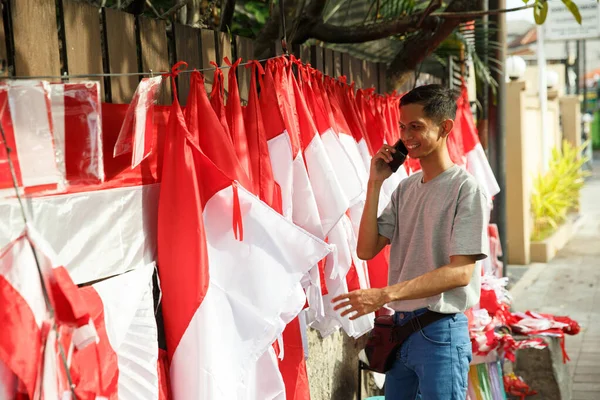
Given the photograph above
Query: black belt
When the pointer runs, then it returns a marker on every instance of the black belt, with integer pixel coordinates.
(402, 332)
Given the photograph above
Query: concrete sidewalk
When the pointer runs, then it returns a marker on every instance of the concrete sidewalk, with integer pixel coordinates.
(570, 285)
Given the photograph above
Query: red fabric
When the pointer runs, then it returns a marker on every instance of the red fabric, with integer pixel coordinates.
(5, 174)
(374, 127)
(235, 118)
(378, 268)
(321, 265)
(260, 163)
(70, 308)
(315, 102)
(207, 134)
(217, 97)
(465, 123)
(285, 100)
(269, 105)
(516, 386)
(81, 144)
(332, 107)
(352, 279)
(118, 169)
(88, 380)
(164, 383)
(489, 301)
(293, 365)
(130, 140)
(307, 126)
(351, 114)
(20, 336)
(182, 253)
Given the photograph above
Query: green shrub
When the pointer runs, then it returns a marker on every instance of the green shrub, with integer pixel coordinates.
(557, 192)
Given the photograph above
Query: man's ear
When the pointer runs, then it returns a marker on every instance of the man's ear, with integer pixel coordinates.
(446, 127)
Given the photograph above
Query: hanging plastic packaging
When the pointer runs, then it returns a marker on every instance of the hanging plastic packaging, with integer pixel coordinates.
(136, 135)
(25, 113)
(77, 119)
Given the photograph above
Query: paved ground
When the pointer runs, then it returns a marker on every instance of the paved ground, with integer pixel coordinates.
(570, 285)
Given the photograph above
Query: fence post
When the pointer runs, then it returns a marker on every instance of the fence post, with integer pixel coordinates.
(518, 194)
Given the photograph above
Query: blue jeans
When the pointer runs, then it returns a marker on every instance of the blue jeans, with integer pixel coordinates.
(432, 364)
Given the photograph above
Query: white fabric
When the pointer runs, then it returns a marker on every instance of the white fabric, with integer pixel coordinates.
(8, 383)
(30, 115)
(140, 120)
(364, 153)
(354, 152)
(49, 384)
(280, 153)
(95, 234)
(335, 277)
(131, 329)
(331, 200)
(264, 381)
(348, 174)
(250, 289)
(25, 279)
(479, 166)
(57, 96)
(299, 206)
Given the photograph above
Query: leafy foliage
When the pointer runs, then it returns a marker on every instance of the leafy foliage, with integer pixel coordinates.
(557, 192)
(249, 18)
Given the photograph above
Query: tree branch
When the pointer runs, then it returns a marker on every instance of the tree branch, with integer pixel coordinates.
(433, 5)
(465, 16)
(418, 47)
(154, 10)
(425, 20)
(175, 8)
(227, 14)
(367, 32)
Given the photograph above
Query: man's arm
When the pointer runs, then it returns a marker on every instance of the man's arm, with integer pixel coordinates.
(370, 242)
(456, 274)
(451, 276)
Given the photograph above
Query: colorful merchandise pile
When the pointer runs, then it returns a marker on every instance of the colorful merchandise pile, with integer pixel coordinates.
(243, 218)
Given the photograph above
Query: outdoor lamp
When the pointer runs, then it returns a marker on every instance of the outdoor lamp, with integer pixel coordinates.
(515, 67)
(551, 79)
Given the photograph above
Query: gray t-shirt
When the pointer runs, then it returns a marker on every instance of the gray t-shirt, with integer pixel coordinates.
(429, 222)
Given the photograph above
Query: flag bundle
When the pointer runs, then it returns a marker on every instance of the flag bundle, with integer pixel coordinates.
(250, 214)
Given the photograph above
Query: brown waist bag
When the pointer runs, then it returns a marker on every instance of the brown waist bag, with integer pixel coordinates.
(385, 339)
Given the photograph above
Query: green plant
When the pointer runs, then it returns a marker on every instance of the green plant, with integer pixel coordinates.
(557, 192)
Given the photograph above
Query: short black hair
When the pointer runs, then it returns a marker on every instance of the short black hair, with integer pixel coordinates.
(439, 102)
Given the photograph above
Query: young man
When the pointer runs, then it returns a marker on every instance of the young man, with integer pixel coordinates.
(436, 225)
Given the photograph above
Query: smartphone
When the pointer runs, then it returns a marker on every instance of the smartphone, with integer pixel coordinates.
(399, 156)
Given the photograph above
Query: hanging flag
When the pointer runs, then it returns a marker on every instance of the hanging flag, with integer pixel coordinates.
(217, 96)
(332, 204)
(476, 159)
(124, 308)
(235, 117)
(260, 164)
(207, 132)
(233, 235)
(137, 135)
(29, 345)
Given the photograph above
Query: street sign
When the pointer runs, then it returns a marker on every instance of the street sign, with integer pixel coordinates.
(561, 25)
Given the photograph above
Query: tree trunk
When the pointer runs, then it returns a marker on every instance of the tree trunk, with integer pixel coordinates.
(194, 13)
(419, 46)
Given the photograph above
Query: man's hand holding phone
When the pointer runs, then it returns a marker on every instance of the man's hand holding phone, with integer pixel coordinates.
(387, 161)
(380, 169)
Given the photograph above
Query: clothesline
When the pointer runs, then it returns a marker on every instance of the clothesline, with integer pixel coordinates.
(122, 74)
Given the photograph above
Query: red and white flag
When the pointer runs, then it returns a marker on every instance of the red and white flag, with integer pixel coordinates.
(476, 160)
(229, 268)
(107, 331)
